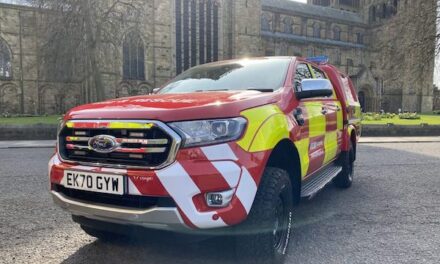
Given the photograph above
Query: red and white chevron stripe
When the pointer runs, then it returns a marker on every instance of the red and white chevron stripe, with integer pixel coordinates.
(195, 172)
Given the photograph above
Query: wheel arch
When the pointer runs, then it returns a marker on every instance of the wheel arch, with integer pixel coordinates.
(351, 137)
(285, 156)
(353, 143)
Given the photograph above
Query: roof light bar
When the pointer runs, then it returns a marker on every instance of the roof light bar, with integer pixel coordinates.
(318, 59)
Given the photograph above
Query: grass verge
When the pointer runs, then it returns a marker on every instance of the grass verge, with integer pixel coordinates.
(424, 119)
(31, 120)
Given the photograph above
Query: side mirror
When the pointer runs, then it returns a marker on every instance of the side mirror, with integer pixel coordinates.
(155, 90)
(314, 88)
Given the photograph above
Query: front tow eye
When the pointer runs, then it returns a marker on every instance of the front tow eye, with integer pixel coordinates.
(298, 114)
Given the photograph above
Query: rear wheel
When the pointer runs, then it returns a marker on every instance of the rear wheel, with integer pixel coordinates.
(264, 236)
(345, 177)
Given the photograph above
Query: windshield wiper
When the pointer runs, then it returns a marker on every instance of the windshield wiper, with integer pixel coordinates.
(263, 90)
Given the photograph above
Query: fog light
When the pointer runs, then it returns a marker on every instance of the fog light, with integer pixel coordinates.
(219, 199)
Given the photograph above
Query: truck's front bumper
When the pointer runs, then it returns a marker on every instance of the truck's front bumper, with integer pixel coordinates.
(195, 173)
(165, 218)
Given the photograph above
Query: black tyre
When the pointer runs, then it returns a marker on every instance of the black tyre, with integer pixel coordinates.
(101, 234)
(264, 236)
(346, 160)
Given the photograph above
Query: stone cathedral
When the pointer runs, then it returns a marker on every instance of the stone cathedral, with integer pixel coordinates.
(174, 35)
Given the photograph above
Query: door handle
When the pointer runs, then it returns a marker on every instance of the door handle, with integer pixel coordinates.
(298, 114)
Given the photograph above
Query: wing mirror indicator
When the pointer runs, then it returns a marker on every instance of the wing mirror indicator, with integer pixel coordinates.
(155, 90)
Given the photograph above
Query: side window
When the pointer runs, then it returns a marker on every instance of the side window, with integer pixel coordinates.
(302, 72)
(318, 73)
(321, 75)
(349, 93)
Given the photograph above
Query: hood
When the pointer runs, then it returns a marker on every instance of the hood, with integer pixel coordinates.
(175, 107)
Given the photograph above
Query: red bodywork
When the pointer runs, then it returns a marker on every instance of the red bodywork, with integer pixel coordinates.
(208, 173)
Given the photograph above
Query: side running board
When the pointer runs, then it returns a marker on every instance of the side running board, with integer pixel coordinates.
(319, 180)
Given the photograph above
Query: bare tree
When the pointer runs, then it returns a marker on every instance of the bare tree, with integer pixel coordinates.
(410, 37)
(75, 31)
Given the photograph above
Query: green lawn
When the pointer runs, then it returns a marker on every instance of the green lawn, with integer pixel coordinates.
(428, 119)
(30, 120)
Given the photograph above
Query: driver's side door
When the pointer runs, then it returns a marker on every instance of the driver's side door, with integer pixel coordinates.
(312, 132)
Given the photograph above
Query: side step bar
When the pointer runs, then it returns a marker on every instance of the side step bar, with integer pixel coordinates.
(319, 180)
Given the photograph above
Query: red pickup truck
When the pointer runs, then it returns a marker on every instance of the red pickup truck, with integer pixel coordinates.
(228, 147)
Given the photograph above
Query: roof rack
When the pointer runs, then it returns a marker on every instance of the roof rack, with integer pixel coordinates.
(318, 59)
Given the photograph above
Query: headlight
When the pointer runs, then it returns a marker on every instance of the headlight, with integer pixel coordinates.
(204, 132)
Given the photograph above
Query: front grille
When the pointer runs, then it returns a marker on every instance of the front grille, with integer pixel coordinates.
(130, 201)
(138, 146)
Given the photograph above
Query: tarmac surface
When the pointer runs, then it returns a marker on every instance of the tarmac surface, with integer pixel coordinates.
(391, 214)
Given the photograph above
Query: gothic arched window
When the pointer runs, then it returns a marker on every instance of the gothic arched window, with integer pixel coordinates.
(373, 14)
(5, 61)
(321, 2)
(288, 25)
(338, 57)
(265, 23)
(359, 38)
(336, 33)
(384, 11)
(316, 30)
(133, 57)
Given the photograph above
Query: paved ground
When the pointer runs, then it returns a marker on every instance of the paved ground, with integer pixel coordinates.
(390, 215)
(399, 139)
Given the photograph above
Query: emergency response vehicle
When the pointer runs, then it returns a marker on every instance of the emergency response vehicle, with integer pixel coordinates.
(227, 147)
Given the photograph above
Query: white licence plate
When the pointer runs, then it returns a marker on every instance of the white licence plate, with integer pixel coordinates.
(94, 182)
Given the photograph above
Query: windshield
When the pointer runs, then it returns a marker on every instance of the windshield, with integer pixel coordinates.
(246, 74)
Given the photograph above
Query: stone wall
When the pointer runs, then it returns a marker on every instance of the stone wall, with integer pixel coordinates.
(27, 91)
(402, 63)
(436, 99)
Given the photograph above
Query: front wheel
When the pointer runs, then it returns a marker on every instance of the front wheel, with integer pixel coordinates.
(264, 236)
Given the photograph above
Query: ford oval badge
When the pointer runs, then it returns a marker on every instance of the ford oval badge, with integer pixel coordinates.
(103, 143)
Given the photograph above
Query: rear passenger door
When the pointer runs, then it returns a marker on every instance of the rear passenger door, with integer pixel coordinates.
(331, 109)
(313, 131)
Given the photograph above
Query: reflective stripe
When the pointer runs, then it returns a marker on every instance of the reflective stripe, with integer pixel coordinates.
(330, 146)
(246, 190)
(182, 189)
(122, 125)
(303, 151)
(272, 131)
(256, 117)
(317, 122)
(132, 189)
(229, 170)
(219, 152)
(340, 118)
(112, 125)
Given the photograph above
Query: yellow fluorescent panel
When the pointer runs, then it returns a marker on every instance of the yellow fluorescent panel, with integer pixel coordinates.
(271, 132)
(303, 150)
(256, 117)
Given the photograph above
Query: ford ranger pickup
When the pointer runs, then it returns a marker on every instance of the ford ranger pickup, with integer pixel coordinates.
(229, 146)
